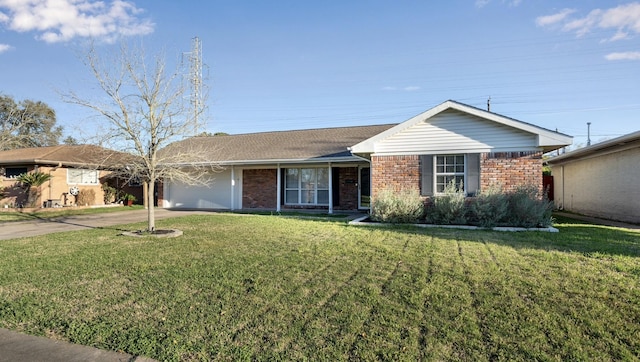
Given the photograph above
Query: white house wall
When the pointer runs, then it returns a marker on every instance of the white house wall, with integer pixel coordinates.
(604, 186)
(216, 196)
(455, 131)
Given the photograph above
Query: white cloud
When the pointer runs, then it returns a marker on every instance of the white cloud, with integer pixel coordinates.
(554, 18)
(482, 3)
(4, 48)
(623, 56)
(411, 88)
(62, 20)
(623, 19)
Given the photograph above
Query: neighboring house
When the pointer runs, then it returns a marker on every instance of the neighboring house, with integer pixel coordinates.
(600, 180)
(340, 168)
(79, 166)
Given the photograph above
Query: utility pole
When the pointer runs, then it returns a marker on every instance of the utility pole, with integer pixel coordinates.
(588, 133)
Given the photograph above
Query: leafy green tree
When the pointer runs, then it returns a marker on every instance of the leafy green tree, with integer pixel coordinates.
(27, 123)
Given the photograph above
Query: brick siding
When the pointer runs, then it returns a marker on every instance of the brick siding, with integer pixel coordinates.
(395, 173)
(509, 170)
(506, 169)
(259, 189)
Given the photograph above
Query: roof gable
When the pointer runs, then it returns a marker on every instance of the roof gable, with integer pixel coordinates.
(456, 127)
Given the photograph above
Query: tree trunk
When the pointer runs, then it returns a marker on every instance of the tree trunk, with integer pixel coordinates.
(150, 207)
(33, 194)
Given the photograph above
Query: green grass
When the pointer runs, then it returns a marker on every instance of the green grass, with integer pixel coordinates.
(239, 287)
(61, 212)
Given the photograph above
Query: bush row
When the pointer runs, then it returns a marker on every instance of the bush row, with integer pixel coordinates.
(524, 207)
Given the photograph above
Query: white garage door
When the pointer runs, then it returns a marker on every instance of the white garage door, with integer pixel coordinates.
(216, 196)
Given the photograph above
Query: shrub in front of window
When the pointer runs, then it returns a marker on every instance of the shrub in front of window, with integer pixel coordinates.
(489, 208)
(405, 206)
(450, 207)
(529, 208)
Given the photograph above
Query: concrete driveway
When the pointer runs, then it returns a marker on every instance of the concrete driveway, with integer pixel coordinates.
(13, 230)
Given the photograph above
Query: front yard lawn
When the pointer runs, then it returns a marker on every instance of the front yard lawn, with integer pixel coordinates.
(239, 287)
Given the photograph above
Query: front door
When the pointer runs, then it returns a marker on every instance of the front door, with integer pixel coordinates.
(364, 188)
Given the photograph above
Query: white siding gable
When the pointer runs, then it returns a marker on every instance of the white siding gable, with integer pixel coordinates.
(455, 131)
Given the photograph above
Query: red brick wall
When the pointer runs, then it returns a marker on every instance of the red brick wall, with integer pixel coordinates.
(506, 169)
(395, 172)
(348, 188)
(259, 189)
(509, 170)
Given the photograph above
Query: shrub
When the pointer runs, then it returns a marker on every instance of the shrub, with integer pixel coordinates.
(528, 207)
(449, 208)
(490, 208)
(86, 197)
(109, 193)
(405, 206)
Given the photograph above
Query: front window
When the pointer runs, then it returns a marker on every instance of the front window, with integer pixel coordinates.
(449, 168)
(307, 186)
(82, 177)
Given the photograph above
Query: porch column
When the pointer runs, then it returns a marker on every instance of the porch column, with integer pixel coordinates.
(278, 185)
(330, 189)
(233, 187)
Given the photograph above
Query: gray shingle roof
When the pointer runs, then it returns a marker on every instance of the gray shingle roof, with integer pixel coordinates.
(278, 146)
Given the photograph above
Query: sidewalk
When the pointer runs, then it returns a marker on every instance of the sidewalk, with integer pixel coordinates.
(18, 347)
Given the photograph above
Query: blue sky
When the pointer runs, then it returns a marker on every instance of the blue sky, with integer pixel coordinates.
(278, 65)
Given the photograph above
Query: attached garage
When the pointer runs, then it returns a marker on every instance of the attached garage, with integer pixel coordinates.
(218, 195)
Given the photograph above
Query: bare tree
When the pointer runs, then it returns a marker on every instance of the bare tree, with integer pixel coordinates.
(146, 109)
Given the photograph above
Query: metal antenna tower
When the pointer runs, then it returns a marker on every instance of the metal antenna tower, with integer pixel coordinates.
(195, 76)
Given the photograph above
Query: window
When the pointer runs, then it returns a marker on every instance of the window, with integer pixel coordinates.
(436, 171)
(307, 186)
(82, 177)
(13, 172)
(449, 168)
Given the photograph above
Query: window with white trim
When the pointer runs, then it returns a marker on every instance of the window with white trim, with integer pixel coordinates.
(449, 168)
(306, 186)
(82, 177)
(436, 171)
